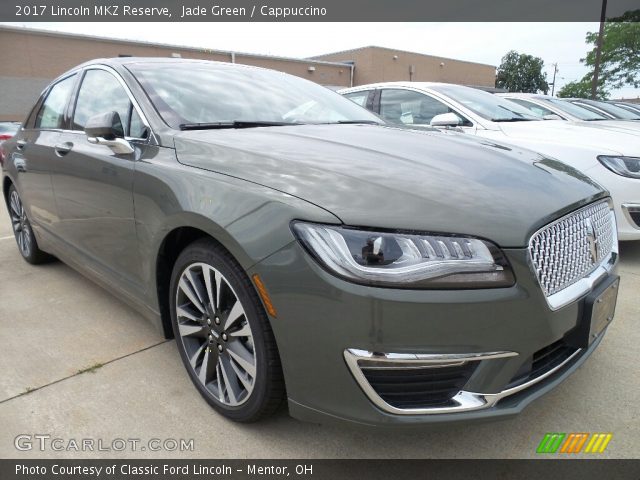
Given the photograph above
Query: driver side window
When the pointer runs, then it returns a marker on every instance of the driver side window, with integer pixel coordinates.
(406, 107)
(101, 92)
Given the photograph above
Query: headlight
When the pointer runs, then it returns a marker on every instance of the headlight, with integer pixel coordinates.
(405, 260)
(625, 166)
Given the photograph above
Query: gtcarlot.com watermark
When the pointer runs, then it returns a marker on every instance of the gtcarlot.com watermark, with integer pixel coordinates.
(46, 442)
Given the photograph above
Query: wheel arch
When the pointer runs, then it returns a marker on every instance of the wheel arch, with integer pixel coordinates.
(6, 185)
(178, 236)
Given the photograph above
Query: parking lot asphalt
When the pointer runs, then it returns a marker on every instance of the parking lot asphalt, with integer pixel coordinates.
(77, 364)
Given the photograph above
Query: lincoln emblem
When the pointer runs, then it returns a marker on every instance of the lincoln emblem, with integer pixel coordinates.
(592, 239)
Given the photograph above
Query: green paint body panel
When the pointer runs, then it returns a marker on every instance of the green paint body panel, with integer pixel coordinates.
(108, 215)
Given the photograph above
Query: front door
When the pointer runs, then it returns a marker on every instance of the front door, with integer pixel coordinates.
(93, 185)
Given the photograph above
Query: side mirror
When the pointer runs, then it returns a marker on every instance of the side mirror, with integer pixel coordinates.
(445, 120)
(552, 116)
(106, 129)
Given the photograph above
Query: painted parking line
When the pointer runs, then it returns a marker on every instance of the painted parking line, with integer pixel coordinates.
(7, 237)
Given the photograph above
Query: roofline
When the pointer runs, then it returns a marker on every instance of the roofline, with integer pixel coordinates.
(54, 33)
(401, 51)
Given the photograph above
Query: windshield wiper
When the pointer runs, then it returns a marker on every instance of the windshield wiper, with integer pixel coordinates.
(234, 124)
(512, 119)
(347, 122)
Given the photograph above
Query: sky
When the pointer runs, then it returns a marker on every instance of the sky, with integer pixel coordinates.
(561, 43)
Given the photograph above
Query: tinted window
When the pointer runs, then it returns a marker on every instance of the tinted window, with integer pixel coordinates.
(51, 114)
(203, 92)
(411, 108)
(358, 97)
(137, 129)
(612, 110)
(101, 92)
(485, 104)
(574, 110)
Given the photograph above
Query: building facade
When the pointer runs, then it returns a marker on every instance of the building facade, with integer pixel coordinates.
(30, 59)
(378, 64)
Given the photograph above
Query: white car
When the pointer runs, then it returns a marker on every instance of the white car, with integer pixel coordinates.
(609, 156)
(548, 107)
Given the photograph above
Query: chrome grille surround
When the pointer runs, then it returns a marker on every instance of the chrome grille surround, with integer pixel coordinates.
(570, 254)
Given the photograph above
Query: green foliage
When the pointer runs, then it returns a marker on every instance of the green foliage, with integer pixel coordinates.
(582, 89)
(522, 73)
(619, 58)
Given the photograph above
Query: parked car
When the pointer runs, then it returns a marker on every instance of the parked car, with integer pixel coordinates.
(551, 108)
(8, 130)
(606, 109)
(297, 247)
(610, 157)
(632, 107)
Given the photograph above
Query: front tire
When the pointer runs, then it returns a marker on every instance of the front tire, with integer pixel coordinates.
(26, 240)
(223, 334)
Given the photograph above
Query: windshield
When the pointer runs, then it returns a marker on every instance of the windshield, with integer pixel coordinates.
(614, 110)
(575, 110)
(192, 93)
(486, 104)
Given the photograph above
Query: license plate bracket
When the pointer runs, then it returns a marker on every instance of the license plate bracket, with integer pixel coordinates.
(597, 313)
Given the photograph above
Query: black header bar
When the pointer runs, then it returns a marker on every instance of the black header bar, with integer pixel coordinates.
(310, 10)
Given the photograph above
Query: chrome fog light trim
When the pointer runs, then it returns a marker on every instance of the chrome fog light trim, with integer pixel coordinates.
(464, 401)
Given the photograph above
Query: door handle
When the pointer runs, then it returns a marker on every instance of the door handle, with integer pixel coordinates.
(63, 148)
(20, 144)
(20, 164)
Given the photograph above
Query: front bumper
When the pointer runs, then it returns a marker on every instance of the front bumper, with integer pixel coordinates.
(625, 193)
(320, 317)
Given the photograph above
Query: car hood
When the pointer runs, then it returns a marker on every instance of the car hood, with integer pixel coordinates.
(625, 126)
(394, 178)
(601, 140)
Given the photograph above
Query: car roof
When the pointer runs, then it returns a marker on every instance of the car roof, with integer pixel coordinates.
(116, 61)
(405, 84)
(524, 95)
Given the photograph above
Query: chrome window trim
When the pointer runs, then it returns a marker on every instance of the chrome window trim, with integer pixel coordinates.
(626, 210)
(466, 401)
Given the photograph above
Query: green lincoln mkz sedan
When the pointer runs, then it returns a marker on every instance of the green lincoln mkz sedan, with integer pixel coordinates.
(298, 248)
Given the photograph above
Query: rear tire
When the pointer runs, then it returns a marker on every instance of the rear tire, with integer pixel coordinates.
(26, 240)
(223, 334)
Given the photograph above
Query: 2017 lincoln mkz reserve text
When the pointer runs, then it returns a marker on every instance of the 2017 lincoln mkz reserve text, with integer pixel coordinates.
(299, 248)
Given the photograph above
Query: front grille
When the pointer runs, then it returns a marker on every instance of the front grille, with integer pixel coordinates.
(635, 216)
(419, 387)
(543, 360)
(573, 246)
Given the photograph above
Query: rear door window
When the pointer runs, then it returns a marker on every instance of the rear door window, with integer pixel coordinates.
(51, 113)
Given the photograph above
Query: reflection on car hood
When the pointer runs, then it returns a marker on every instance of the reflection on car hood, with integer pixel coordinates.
(396, 178)
(624, 126)
(605, 140)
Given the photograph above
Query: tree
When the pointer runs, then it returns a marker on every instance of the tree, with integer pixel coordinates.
(522, 73)
(620, 56)
(582, 89)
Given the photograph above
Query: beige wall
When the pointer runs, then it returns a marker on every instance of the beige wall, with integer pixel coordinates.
(375, 64)
(39, 58)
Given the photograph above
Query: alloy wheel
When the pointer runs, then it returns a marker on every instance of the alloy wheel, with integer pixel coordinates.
(216, 334)
(21, 227)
